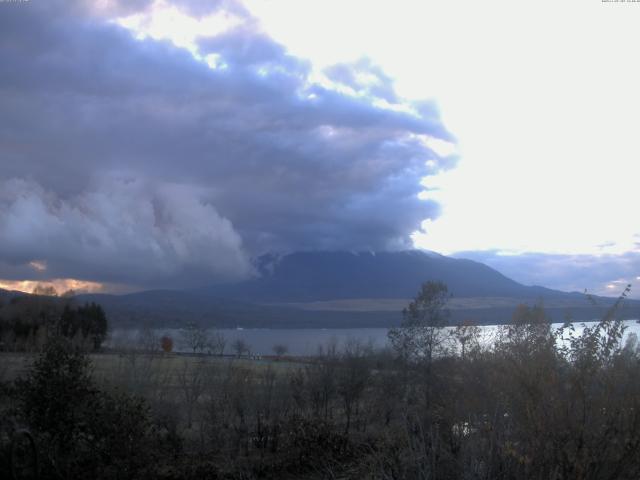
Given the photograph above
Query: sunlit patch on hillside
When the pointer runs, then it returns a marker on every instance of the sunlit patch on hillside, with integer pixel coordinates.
(58, 286)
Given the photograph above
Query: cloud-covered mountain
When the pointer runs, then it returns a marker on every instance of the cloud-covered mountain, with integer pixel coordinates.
(133, 161)
(317, 276)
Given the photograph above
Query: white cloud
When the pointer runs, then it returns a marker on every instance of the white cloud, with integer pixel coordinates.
(541, 96)
(164, 21)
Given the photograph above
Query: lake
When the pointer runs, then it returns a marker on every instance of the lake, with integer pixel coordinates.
(300, 341)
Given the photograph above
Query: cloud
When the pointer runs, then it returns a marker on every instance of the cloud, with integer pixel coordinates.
(258, 153)
(364, 77)
(126, 230)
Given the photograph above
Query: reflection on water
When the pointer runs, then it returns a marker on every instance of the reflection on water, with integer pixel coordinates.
(303, 341)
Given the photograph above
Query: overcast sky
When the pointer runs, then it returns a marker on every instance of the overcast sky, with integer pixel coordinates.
(157, 143)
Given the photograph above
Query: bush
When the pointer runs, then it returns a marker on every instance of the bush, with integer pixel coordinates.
(54, 393)
(89, 433)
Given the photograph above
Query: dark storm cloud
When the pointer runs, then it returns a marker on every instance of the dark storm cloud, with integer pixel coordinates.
(598, 274)
(128, 160)
(119, 229)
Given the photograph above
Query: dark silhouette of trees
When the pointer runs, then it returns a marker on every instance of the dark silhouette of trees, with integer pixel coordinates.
(86, 323)
(27, 321)
(88, 433)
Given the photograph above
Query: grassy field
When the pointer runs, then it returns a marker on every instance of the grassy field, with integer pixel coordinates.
(116, 367)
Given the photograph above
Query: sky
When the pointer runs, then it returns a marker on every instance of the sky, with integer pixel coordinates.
(157, 143)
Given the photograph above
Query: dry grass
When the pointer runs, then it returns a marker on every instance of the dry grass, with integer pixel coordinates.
(13, 365)
(115, 367)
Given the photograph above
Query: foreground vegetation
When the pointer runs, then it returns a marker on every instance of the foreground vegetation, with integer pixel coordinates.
(26, 322)
(533, 403)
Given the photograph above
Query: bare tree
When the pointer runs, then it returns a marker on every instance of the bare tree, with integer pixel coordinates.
(467, 336)
(195, 337)
(280, 349)
(192, 382)
(216, 344)
(421, 334)
(240, 347)
(352, 378)
(422, 337)
(321, 380)
(147, 340)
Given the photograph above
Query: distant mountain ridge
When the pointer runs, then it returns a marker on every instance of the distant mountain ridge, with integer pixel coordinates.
(345, 289)
(317, 276)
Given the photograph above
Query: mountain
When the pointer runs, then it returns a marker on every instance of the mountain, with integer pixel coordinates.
(313, 276)
(6, 295)
(345, 289)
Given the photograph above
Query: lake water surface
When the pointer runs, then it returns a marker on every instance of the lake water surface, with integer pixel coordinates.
(301, 341)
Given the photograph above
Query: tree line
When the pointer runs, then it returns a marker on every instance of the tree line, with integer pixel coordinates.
(28, 321)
